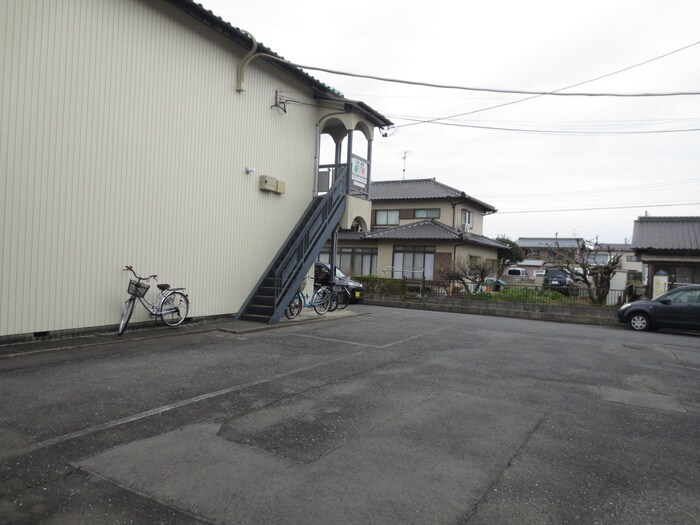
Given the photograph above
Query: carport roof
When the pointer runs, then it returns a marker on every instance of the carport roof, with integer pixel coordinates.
(667, 234)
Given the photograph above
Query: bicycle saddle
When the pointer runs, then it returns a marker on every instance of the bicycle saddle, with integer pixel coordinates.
(162, 287)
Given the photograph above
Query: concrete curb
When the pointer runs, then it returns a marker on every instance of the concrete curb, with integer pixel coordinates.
(140, 333)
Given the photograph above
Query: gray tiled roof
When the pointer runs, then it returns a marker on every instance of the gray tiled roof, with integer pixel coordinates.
(548, 242)
(413, 189)
(680, 234)
(433, 231)
(347, 235)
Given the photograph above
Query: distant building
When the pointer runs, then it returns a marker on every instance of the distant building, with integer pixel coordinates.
(417, 227)
(538, 250)
(670, 246)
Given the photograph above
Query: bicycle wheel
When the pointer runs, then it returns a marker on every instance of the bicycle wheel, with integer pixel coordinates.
(294, 308)
(174, 308)
(126, 315)
(322, 301)
(343, 299)
(334, 301)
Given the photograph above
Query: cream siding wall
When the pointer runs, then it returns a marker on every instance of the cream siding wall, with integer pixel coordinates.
(123, 141)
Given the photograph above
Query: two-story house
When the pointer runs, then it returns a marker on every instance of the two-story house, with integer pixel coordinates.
(418, 226)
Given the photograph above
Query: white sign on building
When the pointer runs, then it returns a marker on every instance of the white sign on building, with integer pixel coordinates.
(359, 169)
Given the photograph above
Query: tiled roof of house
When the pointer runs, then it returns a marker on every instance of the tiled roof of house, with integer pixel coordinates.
(348, 235)
(414, 189)
(431, 230)
(679, 234)
(548, 242)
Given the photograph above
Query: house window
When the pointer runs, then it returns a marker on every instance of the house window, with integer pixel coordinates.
(413, 262)
(386, 217)
(428, 213)
(467, 217)
(353, 261)
(358, 261)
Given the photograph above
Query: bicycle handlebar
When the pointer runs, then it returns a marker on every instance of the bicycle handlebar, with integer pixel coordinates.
(128, 268)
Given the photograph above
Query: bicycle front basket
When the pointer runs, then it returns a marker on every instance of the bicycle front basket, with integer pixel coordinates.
(138, 289)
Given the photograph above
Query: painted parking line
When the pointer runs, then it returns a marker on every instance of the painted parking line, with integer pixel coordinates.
(166, 408)
(369, 345)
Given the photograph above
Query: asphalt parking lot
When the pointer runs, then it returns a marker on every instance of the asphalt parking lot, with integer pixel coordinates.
(379, 416)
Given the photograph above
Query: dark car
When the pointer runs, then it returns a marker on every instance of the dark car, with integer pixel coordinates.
(322, 275)
(679, 308)
(559, 281)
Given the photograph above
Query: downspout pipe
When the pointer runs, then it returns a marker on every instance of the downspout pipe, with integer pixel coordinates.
(240, 82)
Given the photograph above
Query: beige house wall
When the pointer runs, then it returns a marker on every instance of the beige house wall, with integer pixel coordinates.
(123, 141)
(472, 250)
(385, 252)
(449, 215)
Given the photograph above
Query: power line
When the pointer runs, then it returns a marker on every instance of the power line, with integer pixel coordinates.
(546, 131)
(615, 189)
(557, 92)
(494, 90)
(604, 208)
(512, 102)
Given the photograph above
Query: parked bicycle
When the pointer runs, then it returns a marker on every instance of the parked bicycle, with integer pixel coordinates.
(172, 304)
(340, 298)
(320, 301)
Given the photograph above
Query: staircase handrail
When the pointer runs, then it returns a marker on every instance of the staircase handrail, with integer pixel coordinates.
(296, 253)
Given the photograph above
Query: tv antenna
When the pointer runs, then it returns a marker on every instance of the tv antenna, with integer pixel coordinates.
(405, 154)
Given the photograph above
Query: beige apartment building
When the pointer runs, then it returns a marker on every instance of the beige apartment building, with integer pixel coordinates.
(157, 135)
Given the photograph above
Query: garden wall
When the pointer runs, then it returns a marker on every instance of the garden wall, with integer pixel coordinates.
(594, 315)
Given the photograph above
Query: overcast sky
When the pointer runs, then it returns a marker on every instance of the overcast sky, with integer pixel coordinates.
(568, 158)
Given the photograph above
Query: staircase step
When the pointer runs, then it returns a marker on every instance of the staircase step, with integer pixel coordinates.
(255, 318)
(260, 309)
(300, 248)
(267, 300)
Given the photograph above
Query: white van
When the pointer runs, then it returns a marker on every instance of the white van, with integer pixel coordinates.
(518, 272)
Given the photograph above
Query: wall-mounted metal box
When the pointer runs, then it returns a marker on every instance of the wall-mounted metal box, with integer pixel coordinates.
(268, 183)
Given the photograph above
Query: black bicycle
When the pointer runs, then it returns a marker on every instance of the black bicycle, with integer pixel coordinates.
(340, 297)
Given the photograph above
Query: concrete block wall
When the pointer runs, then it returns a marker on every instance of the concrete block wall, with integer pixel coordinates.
(543, 312)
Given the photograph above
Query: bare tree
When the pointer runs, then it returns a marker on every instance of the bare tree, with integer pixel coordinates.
(467, 274)
(591, 264)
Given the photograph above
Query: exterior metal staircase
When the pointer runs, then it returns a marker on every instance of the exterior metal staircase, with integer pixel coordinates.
(281, 280)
